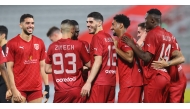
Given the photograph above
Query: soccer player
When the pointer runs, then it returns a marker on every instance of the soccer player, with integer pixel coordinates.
(141, 34)
(54, 34)
(178, 78)
(130, 76)
(75, 37)
(5, 91)
(25, 64)
(158, 44)
(102, 77)
(65, 59)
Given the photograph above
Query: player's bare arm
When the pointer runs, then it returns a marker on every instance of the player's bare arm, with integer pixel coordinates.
(17, 97)
(45, 79)
(177, 58)
(48, 68)
(127, 56)
(6, 79)
(94, 71)
(145, 56)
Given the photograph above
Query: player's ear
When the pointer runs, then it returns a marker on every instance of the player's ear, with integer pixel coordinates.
(121, 25)
(3, 35)
(100, 23)
(20, 25)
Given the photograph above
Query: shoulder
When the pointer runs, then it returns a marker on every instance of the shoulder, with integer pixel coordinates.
(13, 40)
(37, 38)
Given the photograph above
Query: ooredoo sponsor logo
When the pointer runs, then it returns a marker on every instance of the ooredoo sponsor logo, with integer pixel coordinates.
(66, 79)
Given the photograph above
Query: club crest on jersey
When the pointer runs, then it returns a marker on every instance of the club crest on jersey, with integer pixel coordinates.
(36, 46)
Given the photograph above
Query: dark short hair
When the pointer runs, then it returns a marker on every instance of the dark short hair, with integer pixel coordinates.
(4, 30)
(121, 18)
(142, 25)
(51, 30)
(24, 16)
(75, 22)
(96, 16)
(154, 11)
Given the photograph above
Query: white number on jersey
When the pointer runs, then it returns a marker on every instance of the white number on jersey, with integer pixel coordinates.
(61, 63)
(165, 52)
(113, 55)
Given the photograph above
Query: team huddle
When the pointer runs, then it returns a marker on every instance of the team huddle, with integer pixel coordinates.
(148, 67)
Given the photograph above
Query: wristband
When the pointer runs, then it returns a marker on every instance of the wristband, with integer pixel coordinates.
(47, 90)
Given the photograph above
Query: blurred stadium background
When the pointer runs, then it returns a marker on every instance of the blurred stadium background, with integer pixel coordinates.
(175, 19)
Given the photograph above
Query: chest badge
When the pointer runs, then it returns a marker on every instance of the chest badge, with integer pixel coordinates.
(36, 46)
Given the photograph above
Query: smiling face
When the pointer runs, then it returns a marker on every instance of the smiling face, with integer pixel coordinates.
(115, 27)
(92, 25)
(27, 26)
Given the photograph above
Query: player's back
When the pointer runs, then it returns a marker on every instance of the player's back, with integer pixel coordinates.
(158, 42)
(67, 64)
(102, 45)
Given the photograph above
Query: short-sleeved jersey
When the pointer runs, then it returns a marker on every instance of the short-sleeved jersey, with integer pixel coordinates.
(87, 46)
(176, 72)
(26, 57)
(66, 57)
(2, 60)
(129, 73)
(102, 45)
(158, 42)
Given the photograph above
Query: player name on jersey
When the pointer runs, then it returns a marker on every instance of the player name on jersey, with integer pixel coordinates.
(108, 39)
(64, 47)
(166, 38)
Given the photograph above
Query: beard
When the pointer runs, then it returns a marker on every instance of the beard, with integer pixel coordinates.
(27, 33)
(94, 30)
(114, 34)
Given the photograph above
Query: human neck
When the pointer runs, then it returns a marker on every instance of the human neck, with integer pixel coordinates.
(98, 29)
(121, 33)
(26, 37)
(66, 35)
(3, 42)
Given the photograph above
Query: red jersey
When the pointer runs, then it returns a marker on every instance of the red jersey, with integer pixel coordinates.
(102, 45)
(158, 42)
(66, 57)
(129, 73)
(26, 57)
(2, 56)
(176, 72)
(86, 45)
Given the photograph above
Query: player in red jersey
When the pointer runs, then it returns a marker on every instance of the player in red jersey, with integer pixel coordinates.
(178, 79)
(65, 59)
(100, 85)
(157, 45)
(75, 37)
(130, 75)
(54, 36)
(5, 90)
(141, 34)
(25, 64)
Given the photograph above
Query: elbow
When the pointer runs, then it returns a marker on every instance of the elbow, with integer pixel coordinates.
(182, 59)
(48, 71)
